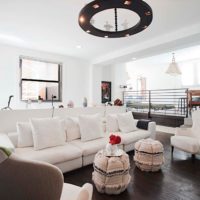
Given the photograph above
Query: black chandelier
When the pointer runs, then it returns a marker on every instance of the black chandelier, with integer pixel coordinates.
(139, 7)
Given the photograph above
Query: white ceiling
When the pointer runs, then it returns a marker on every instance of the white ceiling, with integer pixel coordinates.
(52, 26)
(183, 55)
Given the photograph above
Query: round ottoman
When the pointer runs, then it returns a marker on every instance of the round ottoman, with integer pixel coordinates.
(111, 174)
(148, 155)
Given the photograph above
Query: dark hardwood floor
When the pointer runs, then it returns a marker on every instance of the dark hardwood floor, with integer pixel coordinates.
(179, 178)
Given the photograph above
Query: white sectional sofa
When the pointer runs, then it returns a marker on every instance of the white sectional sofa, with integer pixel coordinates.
(73, 154)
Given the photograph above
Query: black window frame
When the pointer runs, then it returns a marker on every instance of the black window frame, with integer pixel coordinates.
(42, 80)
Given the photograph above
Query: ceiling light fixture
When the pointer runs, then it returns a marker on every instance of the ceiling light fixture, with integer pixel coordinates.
(78, 46)
(141, 8)
(173, 68)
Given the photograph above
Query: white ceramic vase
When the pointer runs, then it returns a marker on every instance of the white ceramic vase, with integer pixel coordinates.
(111, 149)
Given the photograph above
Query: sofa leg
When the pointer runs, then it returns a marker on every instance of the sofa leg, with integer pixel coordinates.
(172, 150)
(193, 156)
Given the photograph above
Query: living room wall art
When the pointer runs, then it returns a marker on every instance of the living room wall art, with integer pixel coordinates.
(105, 91)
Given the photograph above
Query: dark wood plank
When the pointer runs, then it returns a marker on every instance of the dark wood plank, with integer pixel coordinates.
(179, 178)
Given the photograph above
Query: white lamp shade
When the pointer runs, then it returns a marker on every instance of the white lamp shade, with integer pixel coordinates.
(173, 69)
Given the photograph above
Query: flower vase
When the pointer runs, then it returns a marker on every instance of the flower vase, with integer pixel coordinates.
(111, 149)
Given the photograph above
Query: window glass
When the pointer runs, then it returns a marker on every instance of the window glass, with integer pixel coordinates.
(40, 80)
(32, 90)
(32, 69)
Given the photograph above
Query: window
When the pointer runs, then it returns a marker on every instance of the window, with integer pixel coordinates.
(40, 80)
(187, 74)
(190, 73)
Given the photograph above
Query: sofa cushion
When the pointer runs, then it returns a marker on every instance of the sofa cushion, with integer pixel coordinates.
(91, 147)
(25, 136)
(53, 155)
(132, 137)
(126, 122)
(47, 132)
(188, 144)
(90, 127)
(72, 128)
(112, 123)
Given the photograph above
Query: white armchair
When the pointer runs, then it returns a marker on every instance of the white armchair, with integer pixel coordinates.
(188, 139)
(23, 179)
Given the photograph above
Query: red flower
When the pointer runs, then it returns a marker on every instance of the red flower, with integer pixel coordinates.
(118, 139)
(114, 139)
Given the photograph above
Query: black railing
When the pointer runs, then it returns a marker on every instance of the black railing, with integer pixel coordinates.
(163, 102)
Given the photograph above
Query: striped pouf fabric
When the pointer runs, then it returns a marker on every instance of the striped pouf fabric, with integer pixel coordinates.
(111, 174)
(149, 155)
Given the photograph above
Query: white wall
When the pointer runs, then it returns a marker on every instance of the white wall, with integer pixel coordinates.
(153, 68)
(115, 73)
(154, 73)
(96, 84)
(76, 79)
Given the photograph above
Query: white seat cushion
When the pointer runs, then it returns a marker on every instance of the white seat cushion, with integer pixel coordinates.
(185, 143)
(73, 192)
(132, 137)
(126, 122)
(53, 155)
(92, 146)
(70, 192)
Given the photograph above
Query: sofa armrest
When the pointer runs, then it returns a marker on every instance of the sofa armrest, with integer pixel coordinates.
(184, 132)
(150, 126)
(6, 143)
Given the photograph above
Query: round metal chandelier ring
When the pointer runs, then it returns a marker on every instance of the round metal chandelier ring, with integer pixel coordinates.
(141, 8)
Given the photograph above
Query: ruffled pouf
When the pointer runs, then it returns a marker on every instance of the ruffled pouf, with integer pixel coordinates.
(111, 174)
(149, 155)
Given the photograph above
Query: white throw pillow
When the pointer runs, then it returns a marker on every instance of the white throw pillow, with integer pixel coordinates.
(112, 123)
(72, 128)
(25, 137)
(47, 132)
(90, 127)
(126, 122)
